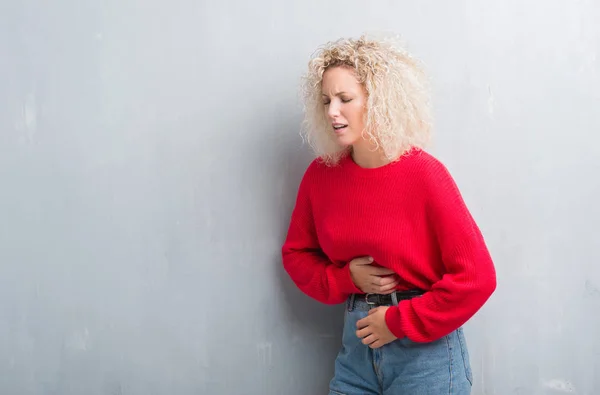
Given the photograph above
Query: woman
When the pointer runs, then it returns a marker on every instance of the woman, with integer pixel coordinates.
(381, 225)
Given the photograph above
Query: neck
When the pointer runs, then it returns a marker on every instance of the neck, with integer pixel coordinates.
(367, 157)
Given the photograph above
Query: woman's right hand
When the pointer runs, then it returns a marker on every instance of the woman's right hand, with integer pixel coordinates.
(372, 279)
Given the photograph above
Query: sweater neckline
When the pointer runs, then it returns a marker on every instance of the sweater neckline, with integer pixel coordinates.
(353, 168)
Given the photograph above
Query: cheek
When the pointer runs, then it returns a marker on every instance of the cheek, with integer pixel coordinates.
(358, 113)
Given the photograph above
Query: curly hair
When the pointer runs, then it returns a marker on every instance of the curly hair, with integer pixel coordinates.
(398, 114)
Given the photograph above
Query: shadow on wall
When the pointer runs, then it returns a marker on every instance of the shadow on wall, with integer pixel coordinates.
(310, 330)
(291, 158)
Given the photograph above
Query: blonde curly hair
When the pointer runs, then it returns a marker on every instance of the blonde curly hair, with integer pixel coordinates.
(398, 114)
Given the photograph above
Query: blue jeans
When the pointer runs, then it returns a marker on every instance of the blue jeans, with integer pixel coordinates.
(402, 367)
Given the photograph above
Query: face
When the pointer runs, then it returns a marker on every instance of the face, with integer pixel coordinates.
(345, 101)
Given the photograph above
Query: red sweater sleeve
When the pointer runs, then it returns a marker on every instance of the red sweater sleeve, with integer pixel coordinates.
(309, 268)
(469, 278)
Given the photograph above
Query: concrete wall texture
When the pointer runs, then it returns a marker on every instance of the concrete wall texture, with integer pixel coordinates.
(150, 157)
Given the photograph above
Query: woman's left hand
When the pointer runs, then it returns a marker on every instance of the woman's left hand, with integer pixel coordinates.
(373, 330)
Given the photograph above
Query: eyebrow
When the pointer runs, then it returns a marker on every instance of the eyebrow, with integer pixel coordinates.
(337, 94)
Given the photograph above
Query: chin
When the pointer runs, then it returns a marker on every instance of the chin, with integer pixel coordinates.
(346, 141)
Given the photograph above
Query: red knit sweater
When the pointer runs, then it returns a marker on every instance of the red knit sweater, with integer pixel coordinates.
(410, 217)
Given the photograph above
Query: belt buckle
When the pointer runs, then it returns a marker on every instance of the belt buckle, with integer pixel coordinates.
(367, 299)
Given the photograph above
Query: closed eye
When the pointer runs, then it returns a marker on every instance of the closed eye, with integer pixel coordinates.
(343, 101)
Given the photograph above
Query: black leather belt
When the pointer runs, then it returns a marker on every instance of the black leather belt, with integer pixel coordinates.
(386, 300)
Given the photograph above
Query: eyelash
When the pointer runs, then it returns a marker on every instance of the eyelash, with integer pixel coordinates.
(343, 101)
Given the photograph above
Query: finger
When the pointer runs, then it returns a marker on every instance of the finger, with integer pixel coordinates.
(362, 333)
(366, 260)
(376, 289)
(380, 271)
(388, 287)
(373, 311)
(363, 323)
(369, 340)
(377, 280)
(376, 344)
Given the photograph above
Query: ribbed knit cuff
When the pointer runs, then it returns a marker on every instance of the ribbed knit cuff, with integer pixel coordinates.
(393, 321)
(344, 281)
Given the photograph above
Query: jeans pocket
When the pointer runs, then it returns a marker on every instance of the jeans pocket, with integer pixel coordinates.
(465, 354)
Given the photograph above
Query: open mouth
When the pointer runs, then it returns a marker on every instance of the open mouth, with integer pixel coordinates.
(338, 127)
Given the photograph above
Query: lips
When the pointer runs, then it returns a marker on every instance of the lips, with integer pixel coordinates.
(339, 126)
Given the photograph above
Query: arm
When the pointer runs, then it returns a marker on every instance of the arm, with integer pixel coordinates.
(469, 278)
(303, 259)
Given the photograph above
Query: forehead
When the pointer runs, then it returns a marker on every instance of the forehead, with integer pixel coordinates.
(339, 78)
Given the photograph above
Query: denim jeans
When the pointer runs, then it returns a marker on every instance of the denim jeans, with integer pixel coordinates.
(402, 367)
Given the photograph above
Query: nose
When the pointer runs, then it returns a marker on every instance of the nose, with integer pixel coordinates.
(333, 110)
